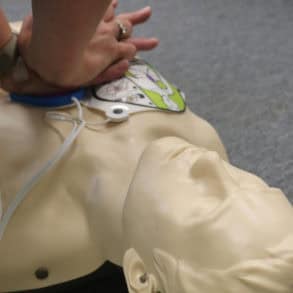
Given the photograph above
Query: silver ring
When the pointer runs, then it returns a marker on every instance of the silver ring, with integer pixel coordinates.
(122, 30)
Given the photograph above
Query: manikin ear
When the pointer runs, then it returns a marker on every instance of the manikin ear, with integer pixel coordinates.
(137, 278)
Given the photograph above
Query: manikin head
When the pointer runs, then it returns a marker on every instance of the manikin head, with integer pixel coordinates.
(194, 223)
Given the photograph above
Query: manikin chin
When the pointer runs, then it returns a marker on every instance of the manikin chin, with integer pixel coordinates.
(201, 225)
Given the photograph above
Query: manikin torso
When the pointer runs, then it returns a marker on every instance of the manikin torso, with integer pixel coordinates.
(70, 222)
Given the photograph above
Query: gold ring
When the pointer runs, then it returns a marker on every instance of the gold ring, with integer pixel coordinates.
(122, 30)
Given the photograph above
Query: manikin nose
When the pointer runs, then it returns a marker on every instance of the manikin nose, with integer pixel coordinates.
(211, 170)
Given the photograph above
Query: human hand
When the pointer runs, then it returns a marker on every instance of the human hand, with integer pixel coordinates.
(111, 60)
(101, 51)
(129, 20)
(103, 45)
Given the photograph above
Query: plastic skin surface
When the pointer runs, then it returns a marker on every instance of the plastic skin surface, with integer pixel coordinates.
(190, 222)
(201, 225)
(71, 221)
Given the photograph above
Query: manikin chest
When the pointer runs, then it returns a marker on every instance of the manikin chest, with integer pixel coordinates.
(70, 221)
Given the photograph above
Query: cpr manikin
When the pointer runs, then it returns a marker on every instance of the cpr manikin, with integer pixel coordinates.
(70, 220)
(200, 225)
(72, 167)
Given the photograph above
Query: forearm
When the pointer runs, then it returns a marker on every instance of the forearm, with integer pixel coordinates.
(61, 31)
(5, 31)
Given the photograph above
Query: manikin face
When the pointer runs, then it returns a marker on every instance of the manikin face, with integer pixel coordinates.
(200, 209)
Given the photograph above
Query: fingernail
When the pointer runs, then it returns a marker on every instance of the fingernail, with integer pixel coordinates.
(147, 8)
(155, 40)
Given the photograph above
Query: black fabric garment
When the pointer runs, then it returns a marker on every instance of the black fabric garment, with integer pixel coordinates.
(107, 279)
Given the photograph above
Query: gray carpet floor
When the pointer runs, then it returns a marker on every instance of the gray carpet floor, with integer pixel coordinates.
(234, 60)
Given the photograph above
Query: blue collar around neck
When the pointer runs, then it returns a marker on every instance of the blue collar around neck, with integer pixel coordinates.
(49, 101)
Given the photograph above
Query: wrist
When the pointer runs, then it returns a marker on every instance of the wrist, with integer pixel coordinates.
(54, 70)
(57, 77)
(37, 62)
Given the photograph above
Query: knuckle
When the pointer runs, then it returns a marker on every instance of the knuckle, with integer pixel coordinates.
(108, 29)
(130, 51)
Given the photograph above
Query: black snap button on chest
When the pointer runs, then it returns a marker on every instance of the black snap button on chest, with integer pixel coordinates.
(42, 273)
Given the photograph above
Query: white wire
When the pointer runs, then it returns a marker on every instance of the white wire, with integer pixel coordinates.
(78, 124)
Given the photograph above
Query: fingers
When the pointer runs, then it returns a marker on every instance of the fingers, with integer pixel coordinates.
(143, 44)
(113, 52)
(110, 12)
(128, 20)
(115, 3)
(119, 65)
(125, 51)
(125, 22)
(115, 71)
(118, 28)
(137, 17)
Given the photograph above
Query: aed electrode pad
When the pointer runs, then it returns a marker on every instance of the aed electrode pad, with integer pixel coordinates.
(142, 88)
